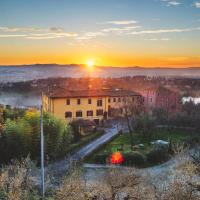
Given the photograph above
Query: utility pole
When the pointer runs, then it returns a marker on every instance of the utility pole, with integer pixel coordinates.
(42, 147)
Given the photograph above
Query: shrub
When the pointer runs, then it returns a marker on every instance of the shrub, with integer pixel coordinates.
(16, 182)
(193, 141)
(76, 128)
(101, 158)
(134, 158)
(158, 156)
(22, 137)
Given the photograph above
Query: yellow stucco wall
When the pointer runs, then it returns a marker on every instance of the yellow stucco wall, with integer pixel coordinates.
(58, 106)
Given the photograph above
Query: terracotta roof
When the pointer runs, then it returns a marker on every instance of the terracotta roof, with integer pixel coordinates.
(63, 93)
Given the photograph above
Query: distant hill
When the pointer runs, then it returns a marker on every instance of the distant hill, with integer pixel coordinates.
(16, 73)
(105, 67)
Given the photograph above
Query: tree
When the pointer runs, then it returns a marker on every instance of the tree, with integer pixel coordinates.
(13, 113)
(33, 118)
(160, 115)
(1, 120)
(56, 133)
(17, 138)
(76, 128)
(22, 136)
(144, 124)
(1, 114)
(130, 111)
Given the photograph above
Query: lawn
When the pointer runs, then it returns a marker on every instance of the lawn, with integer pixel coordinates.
(122, 143)
(176, 136)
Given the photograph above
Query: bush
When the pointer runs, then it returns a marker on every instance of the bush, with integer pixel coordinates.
(157, 156)
(193, 141)
(134, 158)
(16, 182)
(22, 137)
(101, 158)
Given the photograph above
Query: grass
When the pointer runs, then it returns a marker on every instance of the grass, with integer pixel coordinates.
(175, 136)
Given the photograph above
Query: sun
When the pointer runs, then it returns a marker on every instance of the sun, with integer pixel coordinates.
(90, 63)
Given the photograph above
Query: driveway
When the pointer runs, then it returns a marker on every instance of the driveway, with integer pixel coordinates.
(60, 168)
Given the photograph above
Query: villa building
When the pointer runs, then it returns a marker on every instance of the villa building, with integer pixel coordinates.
(88, 104)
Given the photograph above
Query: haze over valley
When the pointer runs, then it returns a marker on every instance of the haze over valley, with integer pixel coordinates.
(42, 71)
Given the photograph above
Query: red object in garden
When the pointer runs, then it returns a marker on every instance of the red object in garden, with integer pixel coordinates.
(117, 158)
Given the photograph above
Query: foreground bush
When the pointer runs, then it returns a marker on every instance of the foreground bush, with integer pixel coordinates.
(134, 158)
(157, 156)
(129, 184)
(101, 158)
(15, 182)
(22, 137)
(116, 184)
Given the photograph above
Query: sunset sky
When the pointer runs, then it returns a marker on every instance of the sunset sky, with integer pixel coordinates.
(110, 32)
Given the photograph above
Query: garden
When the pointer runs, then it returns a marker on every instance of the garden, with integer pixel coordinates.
(145, 151)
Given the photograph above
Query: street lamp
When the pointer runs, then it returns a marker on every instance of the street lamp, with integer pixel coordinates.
(42, 147)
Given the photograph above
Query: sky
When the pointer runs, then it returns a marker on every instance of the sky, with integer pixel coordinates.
(148, 33)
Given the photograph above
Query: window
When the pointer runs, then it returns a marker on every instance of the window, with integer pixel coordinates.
(68, 102)
(133, 99)
(79, 114)
(114, 99)
(99, 102)
(68, 114)
(109, 100)
(89, 101)
(78, 101)
(99, 112)
(90, 113)
(119, 99)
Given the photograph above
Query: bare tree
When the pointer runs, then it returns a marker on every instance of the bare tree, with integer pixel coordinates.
(131, 108)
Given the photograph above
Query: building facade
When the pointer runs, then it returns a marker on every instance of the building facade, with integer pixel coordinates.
(93, 105)
(161, 97)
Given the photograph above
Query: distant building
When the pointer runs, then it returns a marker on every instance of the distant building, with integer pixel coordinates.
(168, 99)
(161, 97)
(149, 98)
(88, 104)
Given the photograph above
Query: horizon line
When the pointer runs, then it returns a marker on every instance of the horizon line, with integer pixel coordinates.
(73, 64)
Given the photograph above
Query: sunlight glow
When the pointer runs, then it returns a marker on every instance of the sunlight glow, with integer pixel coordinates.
(90, 63)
